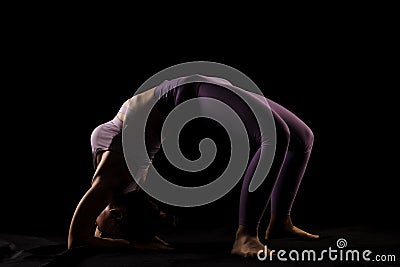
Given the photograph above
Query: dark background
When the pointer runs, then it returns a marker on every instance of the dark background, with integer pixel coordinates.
(64, 79)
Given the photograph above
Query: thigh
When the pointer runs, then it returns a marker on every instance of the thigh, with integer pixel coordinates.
(241, 112)
(296, 126)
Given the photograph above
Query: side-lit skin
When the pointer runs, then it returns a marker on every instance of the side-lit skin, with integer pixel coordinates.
(112, 177)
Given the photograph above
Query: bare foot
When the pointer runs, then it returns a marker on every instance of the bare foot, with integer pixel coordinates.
(247, 243)
(283, 227)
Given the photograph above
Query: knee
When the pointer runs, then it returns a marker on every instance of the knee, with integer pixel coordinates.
(308, 139)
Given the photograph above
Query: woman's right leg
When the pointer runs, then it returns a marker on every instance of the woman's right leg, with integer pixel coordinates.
(252, 204)
(294, 166)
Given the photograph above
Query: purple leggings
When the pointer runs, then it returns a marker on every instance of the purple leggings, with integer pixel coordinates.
(293, 149)
(292, 152)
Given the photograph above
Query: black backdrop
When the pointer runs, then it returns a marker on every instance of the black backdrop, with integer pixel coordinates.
(61, 84)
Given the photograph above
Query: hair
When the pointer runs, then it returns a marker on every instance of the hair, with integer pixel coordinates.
(144, 217)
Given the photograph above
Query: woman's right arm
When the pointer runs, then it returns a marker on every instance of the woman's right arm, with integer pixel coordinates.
(110, 177)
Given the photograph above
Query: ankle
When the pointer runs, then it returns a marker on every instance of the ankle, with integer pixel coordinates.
(245, 231)
(280, 221)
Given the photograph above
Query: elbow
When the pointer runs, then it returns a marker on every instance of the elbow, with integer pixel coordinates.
(75, 242)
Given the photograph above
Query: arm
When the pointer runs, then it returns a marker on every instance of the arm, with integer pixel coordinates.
(110, 177)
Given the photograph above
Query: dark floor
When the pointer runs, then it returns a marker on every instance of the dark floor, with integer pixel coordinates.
(211, 248)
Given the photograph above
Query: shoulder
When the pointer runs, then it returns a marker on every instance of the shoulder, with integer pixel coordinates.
(112, 170)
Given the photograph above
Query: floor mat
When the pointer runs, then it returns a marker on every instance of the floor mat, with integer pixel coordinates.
(346, 246)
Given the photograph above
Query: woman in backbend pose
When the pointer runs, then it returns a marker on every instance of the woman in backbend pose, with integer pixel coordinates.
(101, 219)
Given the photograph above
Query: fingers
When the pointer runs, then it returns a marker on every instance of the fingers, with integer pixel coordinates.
(159, 245)
(161, 241)
(166, 248)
